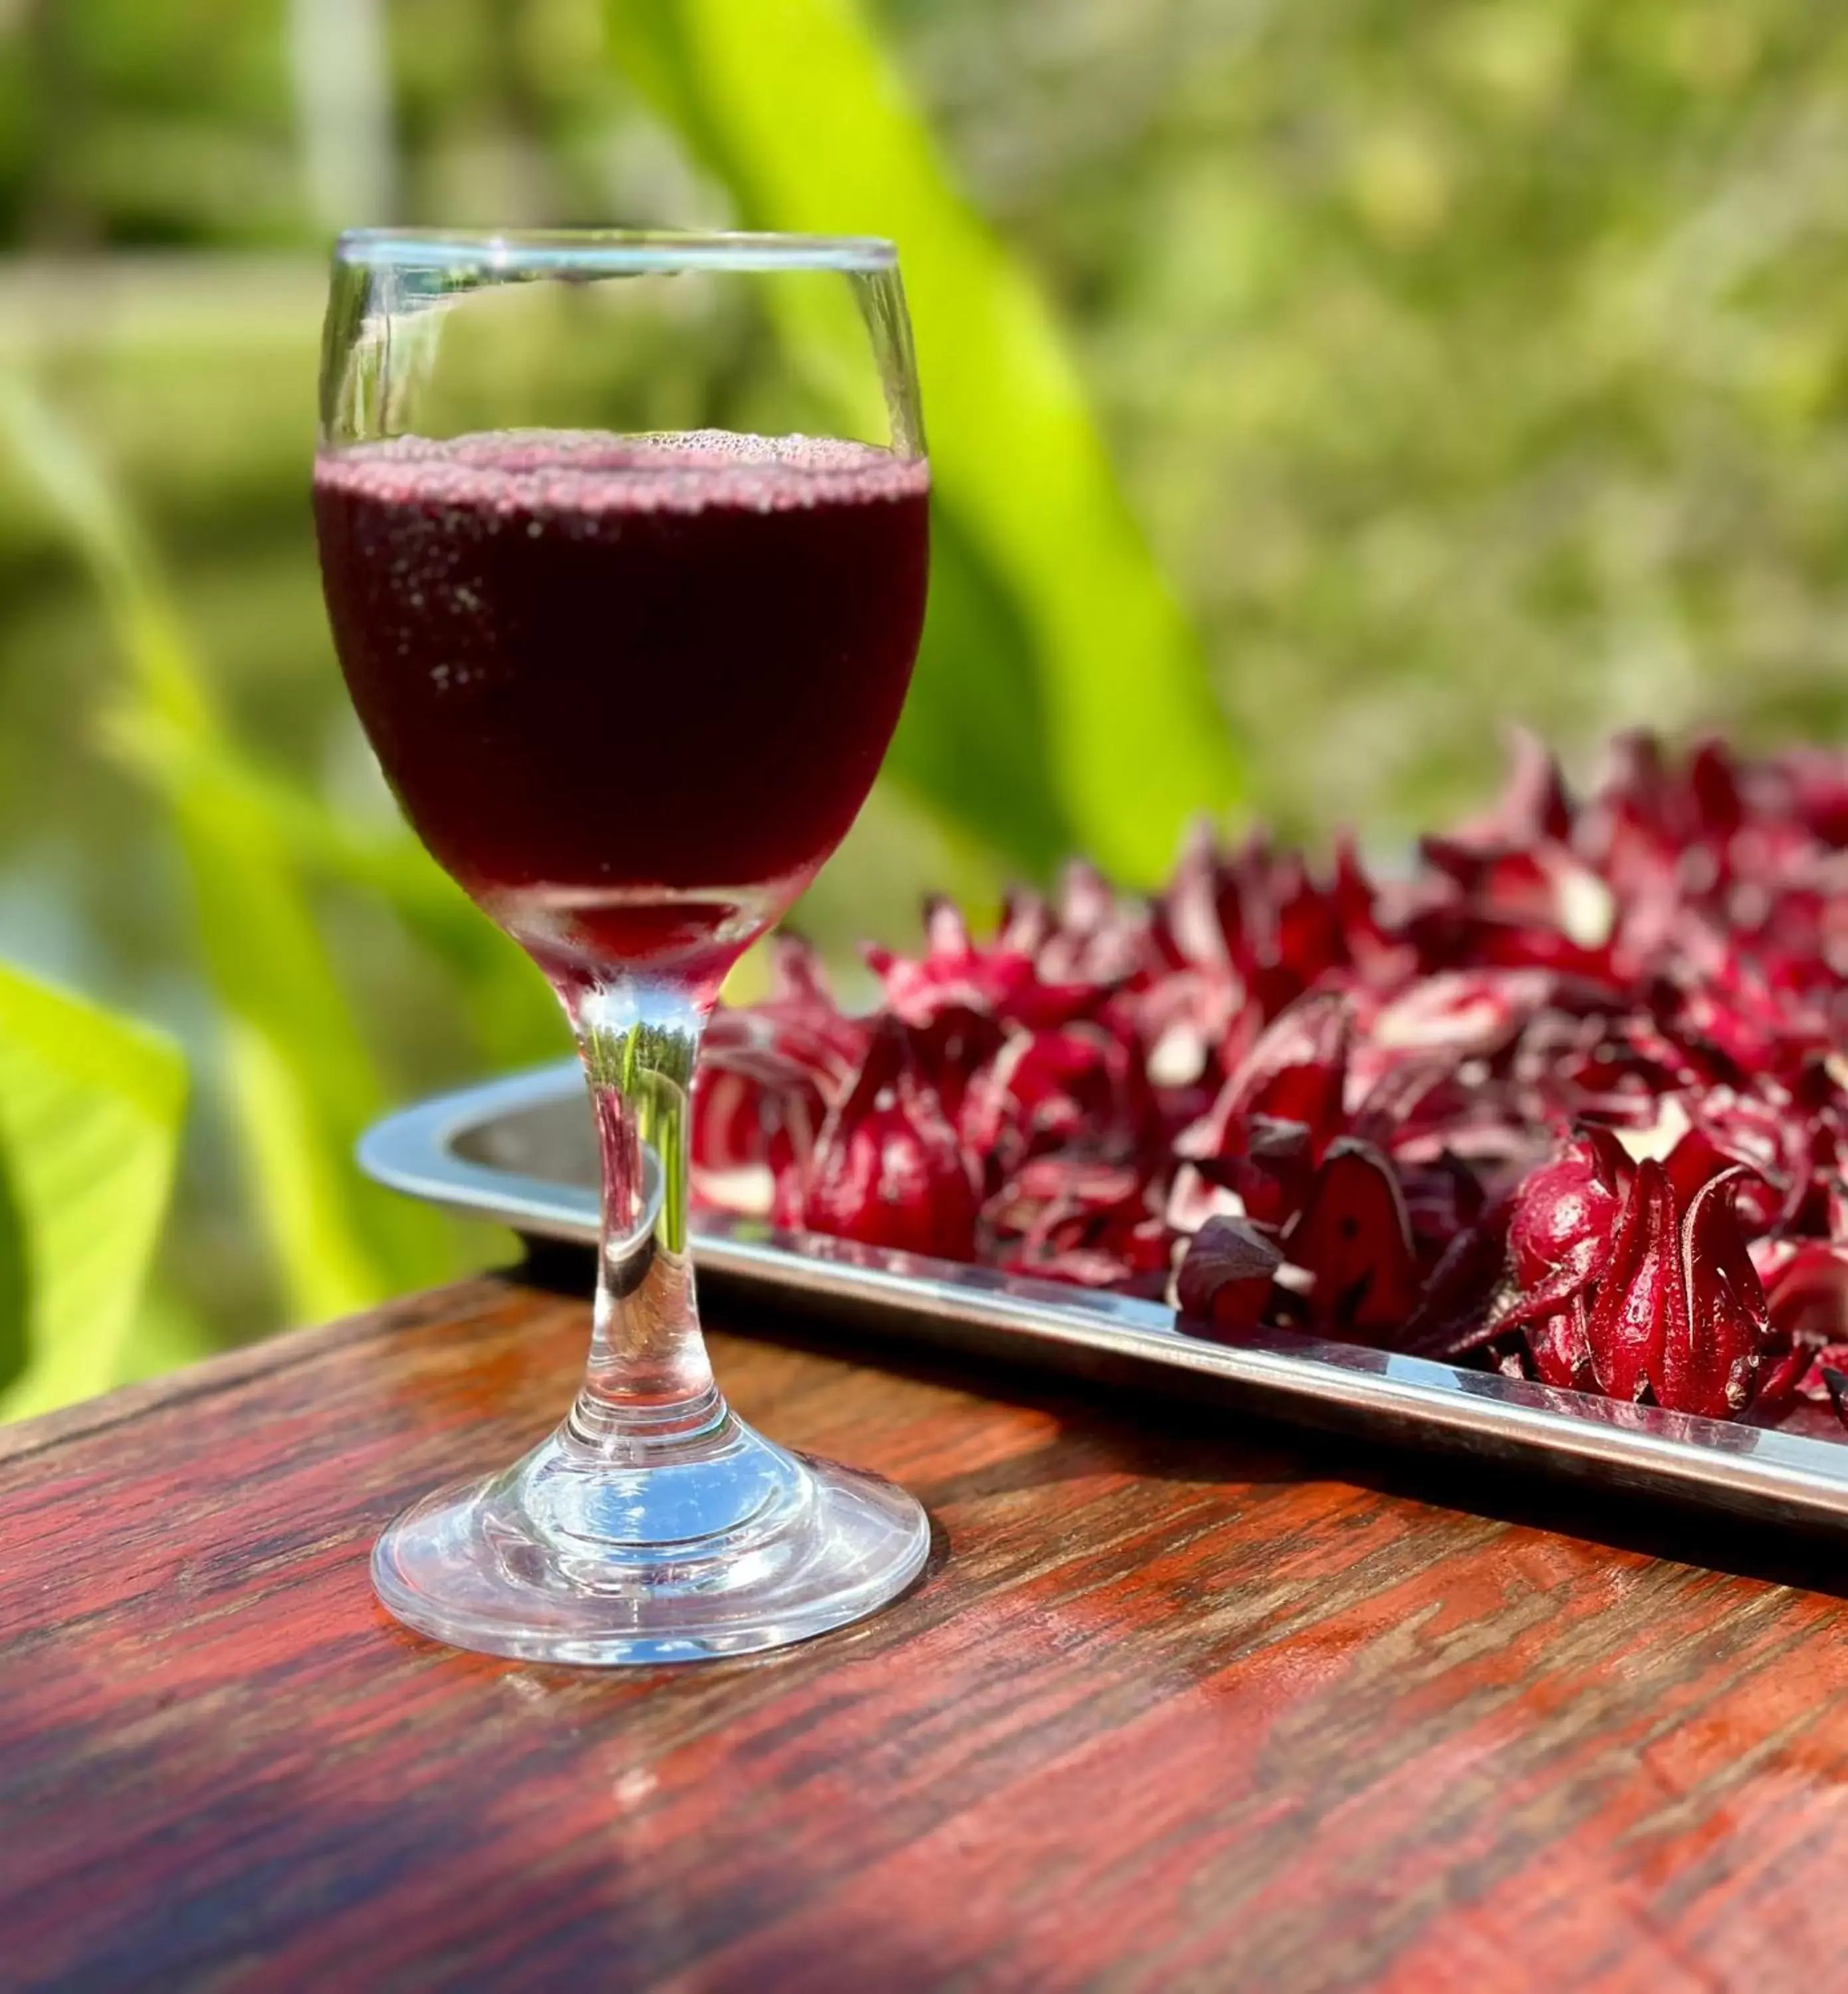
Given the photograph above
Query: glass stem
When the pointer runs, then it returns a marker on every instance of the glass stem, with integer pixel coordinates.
(648, 1382)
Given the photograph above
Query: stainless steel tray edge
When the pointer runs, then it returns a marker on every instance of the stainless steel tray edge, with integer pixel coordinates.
(422, 1151)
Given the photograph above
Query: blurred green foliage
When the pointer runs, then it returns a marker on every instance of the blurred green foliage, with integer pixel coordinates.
(1477, 361)
(90, 1113)
(1480, 359)
(302, 1083)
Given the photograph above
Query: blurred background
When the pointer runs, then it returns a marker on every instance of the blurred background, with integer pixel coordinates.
(1314, 389)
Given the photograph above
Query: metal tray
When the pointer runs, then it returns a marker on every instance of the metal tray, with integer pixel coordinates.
(521, 1151)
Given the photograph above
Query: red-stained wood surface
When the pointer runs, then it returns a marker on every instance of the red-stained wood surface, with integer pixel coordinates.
(1182, 1703)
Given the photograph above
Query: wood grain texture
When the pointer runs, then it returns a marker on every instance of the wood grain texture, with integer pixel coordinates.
(1180, 1704)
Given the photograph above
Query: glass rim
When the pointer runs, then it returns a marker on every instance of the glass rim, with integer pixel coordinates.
(613, 249)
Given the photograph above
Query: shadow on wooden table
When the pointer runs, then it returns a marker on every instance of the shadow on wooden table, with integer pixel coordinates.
(1135, 1423)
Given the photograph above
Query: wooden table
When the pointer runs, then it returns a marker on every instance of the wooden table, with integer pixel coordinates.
(1181, 1703)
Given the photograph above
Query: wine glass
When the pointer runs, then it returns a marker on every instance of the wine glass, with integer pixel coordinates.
(624, 542)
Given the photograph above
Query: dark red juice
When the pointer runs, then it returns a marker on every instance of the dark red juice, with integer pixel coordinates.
(617, 681)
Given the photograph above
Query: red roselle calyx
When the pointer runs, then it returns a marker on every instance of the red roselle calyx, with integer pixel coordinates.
(1572, 1100)
(887, 1169)
(1640, 1287)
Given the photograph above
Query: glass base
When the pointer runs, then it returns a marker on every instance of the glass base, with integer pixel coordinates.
(612, 1552)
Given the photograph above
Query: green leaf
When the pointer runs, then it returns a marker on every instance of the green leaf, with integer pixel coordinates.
(303, 1084)
(15, 1282)
(795, 108)
(167, 1334)
(91, 1107)
(972, 738)
(512, 1016)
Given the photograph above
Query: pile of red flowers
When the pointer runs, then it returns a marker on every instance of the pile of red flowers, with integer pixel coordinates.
(1571, 1099)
